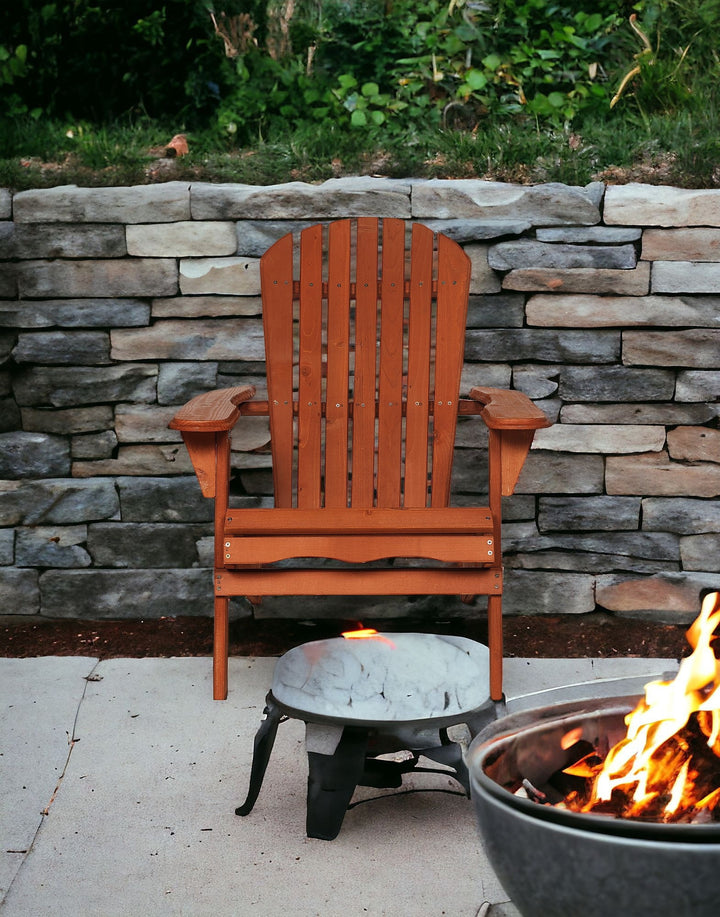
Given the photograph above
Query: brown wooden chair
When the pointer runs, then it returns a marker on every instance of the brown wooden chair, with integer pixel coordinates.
(364, 326)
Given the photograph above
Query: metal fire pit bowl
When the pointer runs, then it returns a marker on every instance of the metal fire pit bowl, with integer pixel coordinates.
(557, 863)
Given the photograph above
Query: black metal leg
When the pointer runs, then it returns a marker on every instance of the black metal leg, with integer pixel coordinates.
(331, 783)
(264, 741)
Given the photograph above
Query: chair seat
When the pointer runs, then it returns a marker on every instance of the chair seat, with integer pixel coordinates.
(384, 679)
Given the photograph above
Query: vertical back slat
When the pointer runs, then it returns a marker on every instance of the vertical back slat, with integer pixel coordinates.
(276, 274)
(364, 392)
(310, 369)
(418, 377)
(453, 284)
(390, 423)
(338, 353)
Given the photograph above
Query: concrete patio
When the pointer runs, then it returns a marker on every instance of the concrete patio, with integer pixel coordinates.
(119, 780)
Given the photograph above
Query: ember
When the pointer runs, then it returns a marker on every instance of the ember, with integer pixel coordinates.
(667, 768)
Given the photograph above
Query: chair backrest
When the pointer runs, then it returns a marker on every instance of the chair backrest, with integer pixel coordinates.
(364, 325)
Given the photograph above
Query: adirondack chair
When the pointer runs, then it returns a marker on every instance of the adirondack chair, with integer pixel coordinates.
(364, 326)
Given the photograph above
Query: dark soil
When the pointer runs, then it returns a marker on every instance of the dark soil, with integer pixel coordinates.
(592, 635)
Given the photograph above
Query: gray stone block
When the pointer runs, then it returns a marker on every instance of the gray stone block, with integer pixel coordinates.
(542, 344)
(19, 592)
(701, 552)
(179, 382)
(336, 198)
(52, 546)
(463, 231)
(10, 417)
(493, 375)
(93, 445)
(64, 387)
(7, 547)
(578, 235)
(33, 455)
(75, 313)
(143, 545)
(7, 240)
(581, 280)
(69, 421)
(561, 473)
(615, 383)
(594, 513)
(159, 203)
(50, 240)
(684, 516)
(84, 348)
(587, 562)
(528, 253)
(100, 278)
(697, 348)
(658, 205)
(668, 414)
(696, 385)
(206, 306)
(141, 423)
(98, 594)
(536, 381)
(195, 339)
(484, 200)
(5, 204)
(149, 499)
(528, 592)
(188, 239)
(503, 310)
(8, 280)
(482, 278)
(685, 277)
(614, 439)
(151, 459)
(61, 501)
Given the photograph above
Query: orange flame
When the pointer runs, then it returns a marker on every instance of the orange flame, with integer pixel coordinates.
(667, 766)
(366, 633)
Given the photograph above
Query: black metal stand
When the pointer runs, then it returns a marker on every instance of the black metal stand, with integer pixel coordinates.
(262, 749)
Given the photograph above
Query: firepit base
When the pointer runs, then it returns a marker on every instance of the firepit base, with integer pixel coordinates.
(364, 699)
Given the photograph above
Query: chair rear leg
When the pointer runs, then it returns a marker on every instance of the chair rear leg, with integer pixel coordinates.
(220, 648)
(495, 645)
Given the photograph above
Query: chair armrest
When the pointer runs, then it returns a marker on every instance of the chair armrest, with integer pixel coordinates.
(212, 412)
(508, 410)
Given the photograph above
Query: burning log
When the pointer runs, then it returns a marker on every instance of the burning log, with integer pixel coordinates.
(667, 767)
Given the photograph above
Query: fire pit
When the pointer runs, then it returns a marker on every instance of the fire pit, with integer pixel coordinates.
(572, 815)
(365, 697)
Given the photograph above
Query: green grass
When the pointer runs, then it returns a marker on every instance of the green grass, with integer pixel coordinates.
(679, 149)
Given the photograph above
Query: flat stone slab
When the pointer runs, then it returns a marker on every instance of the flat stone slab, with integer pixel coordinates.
(486, 200)
(657, 205)
(161, 203)
(334, 199)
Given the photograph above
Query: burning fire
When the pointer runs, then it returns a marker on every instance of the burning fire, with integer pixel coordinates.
(667, 768)
(366, 633)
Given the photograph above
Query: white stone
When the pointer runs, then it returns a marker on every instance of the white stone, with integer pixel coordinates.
(186, 239)
(604, 438)
(589, 311)
(388, 678)
(657, 205)
(162, 203)
(239, 276)
(685, 277)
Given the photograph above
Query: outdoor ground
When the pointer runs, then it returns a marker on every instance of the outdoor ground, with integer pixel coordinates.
(587, 635)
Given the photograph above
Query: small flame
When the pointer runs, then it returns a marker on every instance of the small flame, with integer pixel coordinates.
(366, 633)
(667, 765)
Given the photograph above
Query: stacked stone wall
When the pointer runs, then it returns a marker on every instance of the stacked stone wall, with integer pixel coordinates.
(119, 304)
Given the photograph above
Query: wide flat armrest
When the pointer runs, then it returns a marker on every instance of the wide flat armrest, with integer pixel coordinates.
(508, 410)
(212, 412)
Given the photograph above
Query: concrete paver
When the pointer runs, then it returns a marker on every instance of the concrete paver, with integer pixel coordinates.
(143, 820)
